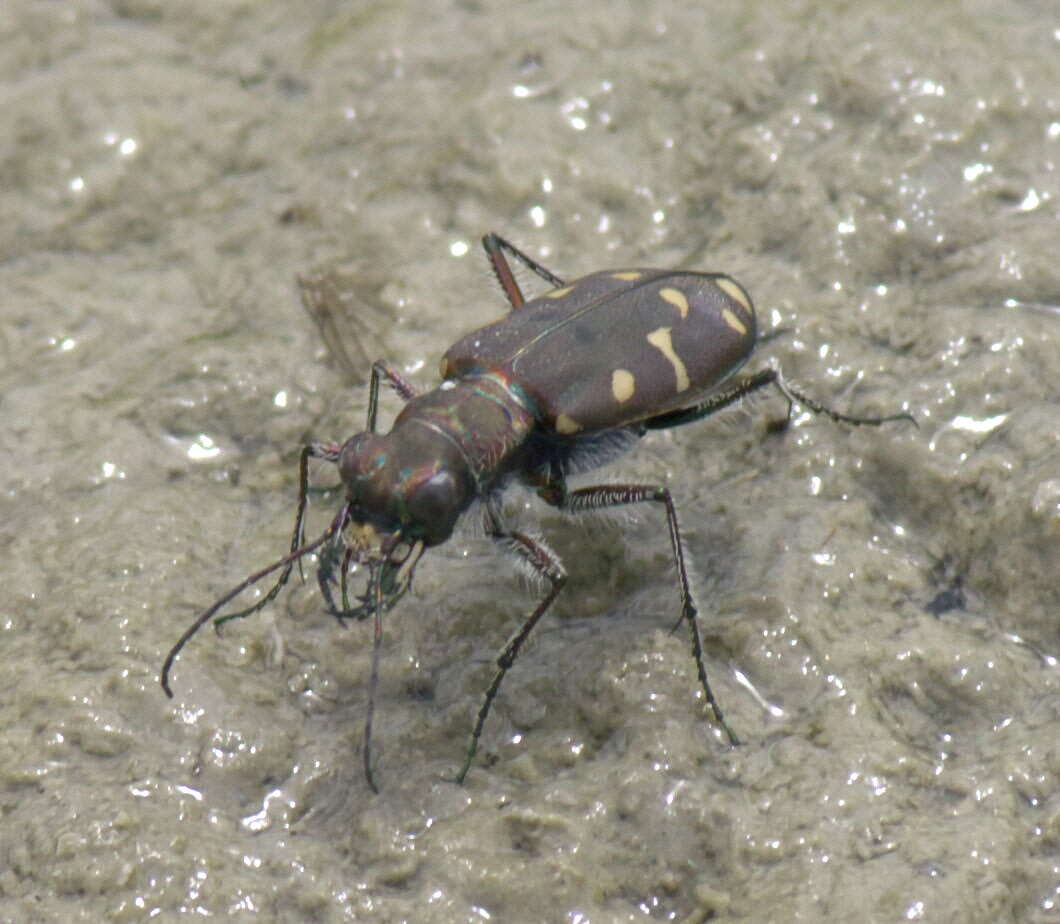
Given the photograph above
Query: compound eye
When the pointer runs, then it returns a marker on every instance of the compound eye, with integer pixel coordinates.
(434, 506)
(361, 458)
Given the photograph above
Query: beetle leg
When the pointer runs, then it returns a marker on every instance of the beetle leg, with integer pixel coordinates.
(544, 562)
(329, 452)
(735, 392)
(326, 577)
(712, 404)
(614, 495)
(795, 397)
(401, 581)
(495, 246)
(383, 369)
(285, 563)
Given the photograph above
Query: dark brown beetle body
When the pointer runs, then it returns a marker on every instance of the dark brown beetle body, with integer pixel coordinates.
(562, 383)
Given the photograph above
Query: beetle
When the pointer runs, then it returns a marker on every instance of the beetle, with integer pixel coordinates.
(563, 383)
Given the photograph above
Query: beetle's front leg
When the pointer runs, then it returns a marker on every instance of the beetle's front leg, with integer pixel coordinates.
(554, 492)
(381, 369)
(329, 452)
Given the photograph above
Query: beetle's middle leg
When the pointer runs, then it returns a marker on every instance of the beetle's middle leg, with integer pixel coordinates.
(597, 497)
(544, 562)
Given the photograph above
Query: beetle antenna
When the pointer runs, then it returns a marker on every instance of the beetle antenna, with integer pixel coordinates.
(205, 617)
(375, 599)
(373, 681)
(375, 592)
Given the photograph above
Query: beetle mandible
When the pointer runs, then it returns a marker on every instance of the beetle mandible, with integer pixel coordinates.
(563, 383)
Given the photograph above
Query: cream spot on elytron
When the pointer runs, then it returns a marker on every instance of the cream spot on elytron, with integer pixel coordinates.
(628, 275)
(660, 339)
(734, 322)
(676, 298)
(622, 385)
(558, 293)
(737, 294)
(565, 424)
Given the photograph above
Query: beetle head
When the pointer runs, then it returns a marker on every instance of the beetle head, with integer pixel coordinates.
(392, 491)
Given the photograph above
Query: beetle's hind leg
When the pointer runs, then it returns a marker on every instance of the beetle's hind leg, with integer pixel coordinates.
(598, 497)
(495, 247)
(744, 387)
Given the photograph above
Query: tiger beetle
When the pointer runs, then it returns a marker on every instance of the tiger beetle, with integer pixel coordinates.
(562, 384)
